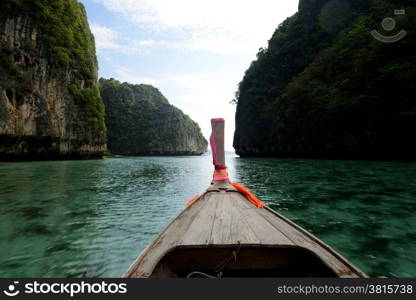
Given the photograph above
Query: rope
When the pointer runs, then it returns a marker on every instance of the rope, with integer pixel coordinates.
(218, 269)
(200, 273)
(249, 195)
(228, 260)
(196, 197)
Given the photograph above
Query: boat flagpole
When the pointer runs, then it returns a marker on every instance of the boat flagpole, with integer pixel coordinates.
(218, 153)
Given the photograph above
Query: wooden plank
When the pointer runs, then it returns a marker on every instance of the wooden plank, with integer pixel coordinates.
(306, 240)
(167, 239)
(266, 233)
(240, 230)
(199, 231)
(219, 223)
(221, 231)
(218, 187)
(299, 238)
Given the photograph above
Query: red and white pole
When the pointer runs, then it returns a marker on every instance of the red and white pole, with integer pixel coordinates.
(218, 154)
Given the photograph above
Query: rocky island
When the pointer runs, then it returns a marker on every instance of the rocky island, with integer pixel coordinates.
(50, 106)
(140, 121)
(326, 87)
(50, 101)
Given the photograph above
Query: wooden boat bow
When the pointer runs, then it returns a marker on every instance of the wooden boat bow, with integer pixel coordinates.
(221, 220)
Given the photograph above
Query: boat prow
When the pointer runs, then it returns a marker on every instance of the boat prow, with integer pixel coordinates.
(223, 227)
(228, 232)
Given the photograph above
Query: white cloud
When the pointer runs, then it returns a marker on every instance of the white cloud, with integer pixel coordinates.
(125, 75)
(145, 42)
(155, 43)
(109, 39)
(219, 26)
(205, 97)
(105, 38)
(192, 81)
(236, 27)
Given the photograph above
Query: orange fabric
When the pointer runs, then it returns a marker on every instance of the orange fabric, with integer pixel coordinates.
(220, 175)
(251, 197)
(192, 200)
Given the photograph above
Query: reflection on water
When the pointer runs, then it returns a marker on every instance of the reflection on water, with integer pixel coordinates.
(92, 218)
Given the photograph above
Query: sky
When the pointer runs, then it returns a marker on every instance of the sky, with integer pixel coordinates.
(195, 52)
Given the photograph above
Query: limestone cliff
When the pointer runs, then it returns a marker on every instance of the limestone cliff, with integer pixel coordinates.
(325, 87)
(141, 121)
(50, 107)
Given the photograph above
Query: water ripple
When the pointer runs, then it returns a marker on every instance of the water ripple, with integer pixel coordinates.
(92, 218)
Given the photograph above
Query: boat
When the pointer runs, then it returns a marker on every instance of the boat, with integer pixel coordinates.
(227, 232)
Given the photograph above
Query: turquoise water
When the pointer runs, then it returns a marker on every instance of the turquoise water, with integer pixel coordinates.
(92, 218)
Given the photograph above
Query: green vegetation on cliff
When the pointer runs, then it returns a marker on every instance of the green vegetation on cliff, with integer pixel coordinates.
(326, 87)
(51, 40)
(63, 28)
(140, 120)
(91, 109)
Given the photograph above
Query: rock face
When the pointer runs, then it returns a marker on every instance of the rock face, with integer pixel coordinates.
(325, 87)
(50, 107)
(141, 121)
